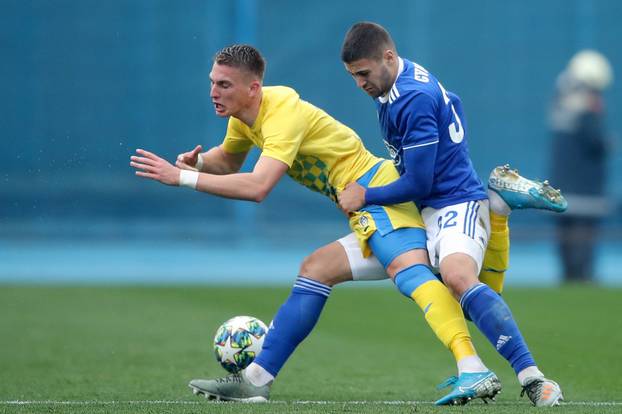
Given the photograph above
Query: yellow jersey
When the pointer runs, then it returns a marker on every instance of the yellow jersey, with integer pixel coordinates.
(322, 153)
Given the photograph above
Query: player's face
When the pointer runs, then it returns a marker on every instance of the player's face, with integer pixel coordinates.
(371, 75)
(231, 90)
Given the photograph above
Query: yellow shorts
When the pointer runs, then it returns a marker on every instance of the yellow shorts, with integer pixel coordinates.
(383, 219)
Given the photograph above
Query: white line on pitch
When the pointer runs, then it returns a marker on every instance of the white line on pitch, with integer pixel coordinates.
(183, 402)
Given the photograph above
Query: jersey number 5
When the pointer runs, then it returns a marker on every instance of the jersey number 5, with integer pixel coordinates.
(455, 133)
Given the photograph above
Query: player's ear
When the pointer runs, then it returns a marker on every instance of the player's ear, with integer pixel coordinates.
(255, 88)
(389, 56)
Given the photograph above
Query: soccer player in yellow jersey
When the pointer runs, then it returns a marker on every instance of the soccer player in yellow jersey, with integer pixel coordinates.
(301, 140)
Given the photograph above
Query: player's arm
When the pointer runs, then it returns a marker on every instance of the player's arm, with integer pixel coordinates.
(416, 120)
(253, 186)
(215, 161)
(414, 184)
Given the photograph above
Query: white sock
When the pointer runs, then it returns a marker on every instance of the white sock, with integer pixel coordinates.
(529, 372)
(471, 363)
(257, 375)
(497, 205)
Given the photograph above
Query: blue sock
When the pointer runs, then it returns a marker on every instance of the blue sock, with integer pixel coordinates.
(292, 323)
(492, 316)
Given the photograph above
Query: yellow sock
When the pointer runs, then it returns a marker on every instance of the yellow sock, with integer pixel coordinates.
(497, 257)
(498, 222)
(445, 317)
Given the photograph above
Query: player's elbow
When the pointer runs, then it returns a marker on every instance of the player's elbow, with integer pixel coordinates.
(258, 197)
(260, 193)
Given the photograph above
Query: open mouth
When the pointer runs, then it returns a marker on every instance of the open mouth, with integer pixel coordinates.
(218, 107)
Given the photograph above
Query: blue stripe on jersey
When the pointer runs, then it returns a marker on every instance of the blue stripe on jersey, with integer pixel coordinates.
(367, 177)
(378, 213)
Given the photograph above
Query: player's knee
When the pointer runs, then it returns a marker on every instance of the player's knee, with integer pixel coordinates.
(313, 267)
(406, 260)
(459, 273)
(328, 265)
(457, 282)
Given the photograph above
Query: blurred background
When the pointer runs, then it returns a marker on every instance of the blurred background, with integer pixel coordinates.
(84, 83)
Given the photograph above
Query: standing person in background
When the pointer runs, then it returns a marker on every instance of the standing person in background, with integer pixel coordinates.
(579, 158)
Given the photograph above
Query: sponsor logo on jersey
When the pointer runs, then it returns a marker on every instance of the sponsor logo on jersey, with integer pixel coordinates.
(393, 153)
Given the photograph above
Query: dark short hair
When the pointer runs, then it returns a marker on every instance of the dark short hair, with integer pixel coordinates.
(244, 57)
(365, 40)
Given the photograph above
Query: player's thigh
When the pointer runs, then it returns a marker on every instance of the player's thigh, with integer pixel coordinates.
(361, 268)
(399, 249)
(328, 265)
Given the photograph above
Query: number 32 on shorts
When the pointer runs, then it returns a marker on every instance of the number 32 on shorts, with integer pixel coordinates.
(448, 220)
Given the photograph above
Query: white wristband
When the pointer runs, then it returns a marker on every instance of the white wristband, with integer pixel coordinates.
(199, 164)
(188, 179)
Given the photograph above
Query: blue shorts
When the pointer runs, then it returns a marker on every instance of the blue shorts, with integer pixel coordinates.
(384, 220)
(387, 247)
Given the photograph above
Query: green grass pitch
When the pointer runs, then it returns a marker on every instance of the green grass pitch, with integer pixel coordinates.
(134, 349)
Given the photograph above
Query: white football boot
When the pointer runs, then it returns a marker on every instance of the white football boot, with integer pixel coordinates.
(234, 387)
(542, 392)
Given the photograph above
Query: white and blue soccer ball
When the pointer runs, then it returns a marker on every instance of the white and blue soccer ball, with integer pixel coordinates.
(238, 342)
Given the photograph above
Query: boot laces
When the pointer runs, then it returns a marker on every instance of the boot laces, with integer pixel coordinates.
(234, 378)
(533, 390)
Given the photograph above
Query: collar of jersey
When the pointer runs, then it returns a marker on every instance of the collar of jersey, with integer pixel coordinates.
(385, 98)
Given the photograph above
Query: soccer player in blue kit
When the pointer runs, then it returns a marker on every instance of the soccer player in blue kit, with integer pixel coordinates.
(423, 127)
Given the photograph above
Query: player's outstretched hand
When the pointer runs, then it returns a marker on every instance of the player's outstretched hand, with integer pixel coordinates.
(188, 160)
(352, 198)
(149, 165)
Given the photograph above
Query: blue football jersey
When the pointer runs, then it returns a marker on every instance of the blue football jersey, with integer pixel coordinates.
(418, 112)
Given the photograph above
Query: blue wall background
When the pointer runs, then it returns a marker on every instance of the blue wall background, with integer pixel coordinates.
(83, 83)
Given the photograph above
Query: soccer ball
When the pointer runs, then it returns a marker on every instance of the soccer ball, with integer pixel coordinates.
(238, 341)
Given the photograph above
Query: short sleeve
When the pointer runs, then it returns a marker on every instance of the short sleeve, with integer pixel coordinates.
(283, 131)
(236, 140)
